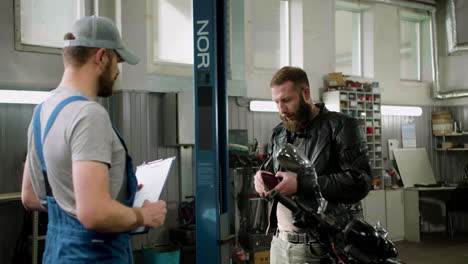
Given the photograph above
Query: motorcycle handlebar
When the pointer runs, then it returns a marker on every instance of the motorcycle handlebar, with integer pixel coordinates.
(286, 201)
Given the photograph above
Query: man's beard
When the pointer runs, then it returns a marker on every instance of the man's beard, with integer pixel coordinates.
(106, 82)
(304, 114)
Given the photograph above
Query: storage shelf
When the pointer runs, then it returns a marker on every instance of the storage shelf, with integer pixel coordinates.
(358, 92)
(452, 149)
(453, 135)
(366, 107)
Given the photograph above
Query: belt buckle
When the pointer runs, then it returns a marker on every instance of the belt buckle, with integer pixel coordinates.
(292, 238)
(283, 235)
(295, 238)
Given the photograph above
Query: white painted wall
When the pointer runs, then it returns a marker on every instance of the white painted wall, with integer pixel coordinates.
(319, 42)
(387, 61)
(262, 27)
(134, 36)
(317, 50)
(314, 50)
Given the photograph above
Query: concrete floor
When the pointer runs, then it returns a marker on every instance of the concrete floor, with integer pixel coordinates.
(435, 248)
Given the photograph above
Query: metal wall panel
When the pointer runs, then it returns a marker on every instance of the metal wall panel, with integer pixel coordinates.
(14, 123)
(138, 115)
(446, 165)
(258, 124)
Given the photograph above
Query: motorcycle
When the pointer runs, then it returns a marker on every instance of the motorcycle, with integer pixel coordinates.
(349, 243)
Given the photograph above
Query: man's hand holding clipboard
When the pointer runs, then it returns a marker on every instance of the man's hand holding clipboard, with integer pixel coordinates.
(152, 177)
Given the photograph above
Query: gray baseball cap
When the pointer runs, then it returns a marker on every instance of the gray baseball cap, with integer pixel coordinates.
(99, 32)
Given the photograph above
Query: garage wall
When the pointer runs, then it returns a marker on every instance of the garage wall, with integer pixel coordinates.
(445, 165)
(14, 122)
(138, 116)
(258, 124)
(451, 67)
(141, 127)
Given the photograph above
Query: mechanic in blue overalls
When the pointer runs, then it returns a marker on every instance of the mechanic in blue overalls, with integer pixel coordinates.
(78, 168)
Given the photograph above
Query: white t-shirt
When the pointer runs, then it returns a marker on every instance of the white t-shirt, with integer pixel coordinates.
(82, 131)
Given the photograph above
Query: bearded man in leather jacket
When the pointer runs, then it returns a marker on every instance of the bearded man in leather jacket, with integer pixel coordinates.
(335, 145)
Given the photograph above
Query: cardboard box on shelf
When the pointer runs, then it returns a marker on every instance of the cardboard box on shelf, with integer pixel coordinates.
(336, 79)
(447, 145)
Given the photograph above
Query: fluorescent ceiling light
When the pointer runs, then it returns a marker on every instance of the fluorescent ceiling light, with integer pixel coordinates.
(22, 97)
(263, 106)
(401, 110)
(270, 106)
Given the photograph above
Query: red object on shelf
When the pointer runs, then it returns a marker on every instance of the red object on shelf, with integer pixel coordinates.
(370, 130)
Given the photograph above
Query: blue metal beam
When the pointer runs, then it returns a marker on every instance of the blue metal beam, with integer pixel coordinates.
(211, 140)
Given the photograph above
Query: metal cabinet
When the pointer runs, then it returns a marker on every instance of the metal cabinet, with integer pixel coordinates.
(394, 205)
(374, 208)
(386, 207)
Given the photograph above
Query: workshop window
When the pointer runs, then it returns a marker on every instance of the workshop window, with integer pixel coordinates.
(172, 31)
(410, 50)
(41, 25)
(348, 39)
(270, 33)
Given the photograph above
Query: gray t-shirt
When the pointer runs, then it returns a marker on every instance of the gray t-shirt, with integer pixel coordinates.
(81, 132)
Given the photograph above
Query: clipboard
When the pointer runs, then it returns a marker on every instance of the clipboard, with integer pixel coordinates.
(152, 176)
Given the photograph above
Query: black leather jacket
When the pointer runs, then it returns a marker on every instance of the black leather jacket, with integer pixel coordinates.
(338, 150)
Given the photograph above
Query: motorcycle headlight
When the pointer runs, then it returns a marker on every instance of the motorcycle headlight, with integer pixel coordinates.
(362, 235)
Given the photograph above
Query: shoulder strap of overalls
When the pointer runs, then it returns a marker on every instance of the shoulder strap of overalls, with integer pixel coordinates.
(39, 139)
(121, 139)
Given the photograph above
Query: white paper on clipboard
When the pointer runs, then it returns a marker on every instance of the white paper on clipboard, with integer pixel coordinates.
(152, 176)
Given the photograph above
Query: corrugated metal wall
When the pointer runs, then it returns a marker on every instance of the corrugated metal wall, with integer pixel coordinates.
(258, 124)
(14, 122)
(446, 165)
(138, 116)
